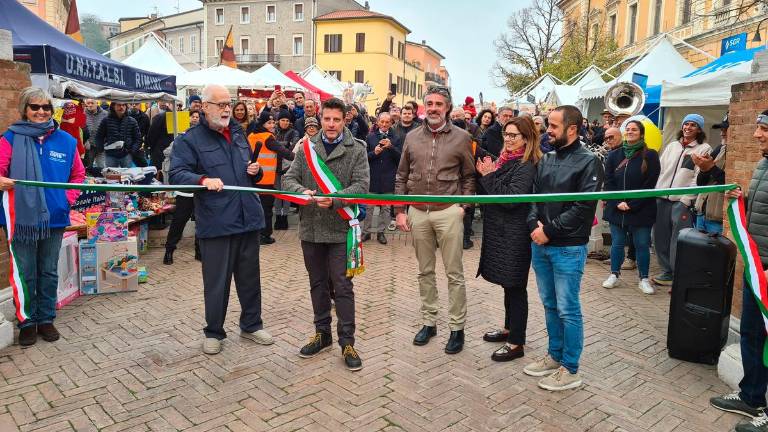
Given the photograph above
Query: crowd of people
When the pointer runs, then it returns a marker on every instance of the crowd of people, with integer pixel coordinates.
(300, 146)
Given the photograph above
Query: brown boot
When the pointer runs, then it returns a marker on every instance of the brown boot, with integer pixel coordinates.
(28, 335)
(48, 332)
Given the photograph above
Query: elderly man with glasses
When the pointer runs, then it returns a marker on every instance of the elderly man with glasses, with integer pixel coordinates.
(216, 154)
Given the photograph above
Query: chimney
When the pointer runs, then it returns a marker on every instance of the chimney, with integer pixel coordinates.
(367, 6)
(423, 41)
(153, 16)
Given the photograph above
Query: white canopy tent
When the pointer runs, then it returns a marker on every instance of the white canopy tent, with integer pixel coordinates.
(224, 75)
(267, 77)
(322, 80)
(154, 58)
(569, 94)
(538, 90)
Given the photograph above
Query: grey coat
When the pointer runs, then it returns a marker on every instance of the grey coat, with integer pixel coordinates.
(757, 209)
(349, 162)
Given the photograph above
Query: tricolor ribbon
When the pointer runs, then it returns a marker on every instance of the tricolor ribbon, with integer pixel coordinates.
(18, 283)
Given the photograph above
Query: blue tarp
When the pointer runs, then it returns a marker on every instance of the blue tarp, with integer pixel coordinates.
(726, 61)
(49, 51)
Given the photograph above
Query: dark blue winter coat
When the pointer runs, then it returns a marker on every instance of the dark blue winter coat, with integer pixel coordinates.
(621, 176)
(384, 165)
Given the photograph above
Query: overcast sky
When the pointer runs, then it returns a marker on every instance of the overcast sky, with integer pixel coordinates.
(461, 30)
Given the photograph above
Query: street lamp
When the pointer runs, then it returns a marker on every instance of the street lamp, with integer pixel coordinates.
(756, 37)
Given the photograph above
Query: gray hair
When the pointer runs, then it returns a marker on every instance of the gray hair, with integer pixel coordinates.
(442, 91)
(209, 89)
(506, 108)
(27, 95)
(382, 114)
(458, 111)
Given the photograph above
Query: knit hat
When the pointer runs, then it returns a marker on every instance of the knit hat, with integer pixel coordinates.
(284, 114)
(265, 116)
(194, 98)
(311, 121)
(696, 118)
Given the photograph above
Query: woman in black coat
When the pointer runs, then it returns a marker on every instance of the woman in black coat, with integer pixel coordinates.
(630, 167)
(505, 257)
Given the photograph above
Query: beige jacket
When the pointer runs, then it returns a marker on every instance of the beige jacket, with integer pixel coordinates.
(678, 169)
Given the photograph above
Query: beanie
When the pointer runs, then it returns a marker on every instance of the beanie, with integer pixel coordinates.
(194, 98)
(310, 121)
(284, 114)
(265, 116)
(696, 118)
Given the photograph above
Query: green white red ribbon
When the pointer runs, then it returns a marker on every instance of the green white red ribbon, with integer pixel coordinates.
(18, 283)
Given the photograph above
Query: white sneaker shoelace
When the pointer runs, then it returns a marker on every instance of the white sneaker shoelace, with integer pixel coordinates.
(760, 421)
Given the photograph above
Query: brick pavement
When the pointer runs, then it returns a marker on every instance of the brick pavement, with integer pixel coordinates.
(133, 361)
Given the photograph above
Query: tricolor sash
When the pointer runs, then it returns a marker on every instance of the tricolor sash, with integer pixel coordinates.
(18, 284)
(328, 184)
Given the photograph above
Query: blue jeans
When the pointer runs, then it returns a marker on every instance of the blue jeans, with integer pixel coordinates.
(641, 238)
(119, 162)
(755, 381)
(38, 265)
(558, 276)
(712, 227)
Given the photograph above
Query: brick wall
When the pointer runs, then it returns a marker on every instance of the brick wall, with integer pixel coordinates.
(13, 78)
(747, 100)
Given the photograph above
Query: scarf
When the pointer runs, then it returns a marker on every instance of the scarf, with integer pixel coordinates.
(507, 156)
(30, 208)
(630, 150)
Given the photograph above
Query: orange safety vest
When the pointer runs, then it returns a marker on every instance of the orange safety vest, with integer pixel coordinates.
(267, 159)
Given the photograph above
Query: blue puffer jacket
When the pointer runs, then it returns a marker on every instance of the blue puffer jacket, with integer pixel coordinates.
(203, 152)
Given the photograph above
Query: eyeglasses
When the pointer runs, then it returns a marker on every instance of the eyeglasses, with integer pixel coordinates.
(609, 137)
(222, 105)
(511, 135)
(36, 107)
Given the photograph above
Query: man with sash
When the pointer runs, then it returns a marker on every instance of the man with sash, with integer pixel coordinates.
(331, 161)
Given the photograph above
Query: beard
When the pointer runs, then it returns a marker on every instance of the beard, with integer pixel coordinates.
(435, 121)
(220, 123)
(558, 142)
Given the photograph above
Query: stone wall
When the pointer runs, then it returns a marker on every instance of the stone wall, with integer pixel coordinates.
(747, 100)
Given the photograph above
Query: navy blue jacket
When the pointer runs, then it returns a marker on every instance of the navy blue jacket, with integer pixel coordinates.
(629, 176)
(384, 165)
(203, 152)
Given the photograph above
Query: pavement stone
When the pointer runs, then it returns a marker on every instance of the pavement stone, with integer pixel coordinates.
(133, 361)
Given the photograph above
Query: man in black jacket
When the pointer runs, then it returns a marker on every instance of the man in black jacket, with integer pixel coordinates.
(158, 138)
(492, 140)
(560, 233)
(118, 137)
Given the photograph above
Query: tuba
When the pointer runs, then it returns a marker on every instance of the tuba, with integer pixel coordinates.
(624, 98)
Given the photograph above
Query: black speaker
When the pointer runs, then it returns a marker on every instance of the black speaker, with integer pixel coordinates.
(393, 88)
(702, 290)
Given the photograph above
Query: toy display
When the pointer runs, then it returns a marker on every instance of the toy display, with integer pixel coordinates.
(107, 226)
(109, 267)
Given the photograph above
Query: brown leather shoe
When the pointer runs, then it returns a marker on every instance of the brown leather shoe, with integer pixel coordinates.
(28, 335)
(505, 353)
(48, 332)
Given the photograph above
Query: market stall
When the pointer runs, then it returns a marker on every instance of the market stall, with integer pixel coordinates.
(152, 56)
(323, 80)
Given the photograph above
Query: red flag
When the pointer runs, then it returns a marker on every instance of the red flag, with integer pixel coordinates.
(227, 56)
(73, 23)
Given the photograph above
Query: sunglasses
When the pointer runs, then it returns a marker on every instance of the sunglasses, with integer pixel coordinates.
(36, 107)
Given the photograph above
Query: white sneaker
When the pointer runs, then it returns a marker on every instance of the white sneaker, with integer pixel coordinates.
(611, 282)
(211, 346)
(261, 337)
(645, 286)
(392, 226)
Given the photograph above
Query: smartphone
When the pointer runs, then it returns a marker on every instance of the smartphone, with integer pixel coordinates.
(278, 87)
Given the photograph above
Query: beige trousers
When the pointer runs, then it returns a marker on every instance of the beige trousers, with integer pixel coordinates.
(446, 229)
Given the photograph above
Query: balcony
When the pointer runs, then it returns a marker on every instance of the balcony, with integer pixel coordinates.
(433, 77)
(257, 59)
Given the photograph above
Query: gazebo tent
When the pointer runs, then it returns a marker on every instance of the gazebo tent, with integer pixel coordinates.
(267, 77)
(569, 94)
(304, 83)
(538, 90)
(228, 77)
(152, 56)
(64, 66)
(322, 80)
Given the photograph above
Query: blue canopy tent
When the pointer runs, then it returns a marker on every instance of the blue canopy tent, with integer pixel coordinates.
(65, 67)
(652, 99)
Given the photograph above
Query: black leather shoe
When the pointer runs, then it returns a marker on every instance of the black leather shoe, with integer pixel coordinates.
(267, 240)
(281, 223)
(468, 244)
(496, 336)
(381, 238)
(48, 332)
(28, 335)
(505, 353)
(424, 335)
(168, 258)
(366, 236)
(455, 342)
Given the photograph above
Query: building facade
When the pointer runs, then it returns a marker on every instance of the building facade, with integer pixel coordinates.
(429, 60)
(279, 32)
(368, 47)
(54, 12)
(109, 29)
(182, 34)
(702, 24)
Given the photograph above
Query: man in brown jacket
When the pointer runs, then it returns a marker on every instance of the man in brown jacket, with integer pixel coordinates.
(437, 160)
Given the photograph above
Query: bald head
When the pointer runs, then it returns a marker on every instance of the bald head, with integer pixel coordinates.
(612, 138)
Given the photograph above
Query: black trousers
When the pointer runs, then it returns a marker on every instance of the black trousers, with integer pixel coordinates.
(516, 313)
(327, 267)
(224, 257)
(185, 207)
(267, 203)
(469, 215)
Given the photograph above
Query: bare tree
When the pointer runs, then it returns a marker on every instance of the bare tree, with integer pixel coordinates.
(533, 38)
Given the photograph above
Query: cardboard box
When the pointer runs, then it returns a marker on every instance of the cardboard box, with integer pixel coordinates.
(141, 232)
(68, 269)
(109, 267)
(107, 226)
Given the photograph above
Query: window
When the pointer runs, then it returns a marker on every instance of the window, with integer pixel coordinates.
(686, 18)
(332, 43)
(245, 15)
(657, 8)
(336, 74)
(125, 50)
(193, 44)
(219, 16)
(420, 92)
(298, 11)
(612, 25)
(270, 47)
(219, 45)
(400, 50)
(413, 89)
(298, 45)
(391, 46)
(632, 23)
(360, 43)
(181, 44)
(399, 85)
(390, 80)
(171, 48)
(271, 13)
(359, 76)
(245, 46)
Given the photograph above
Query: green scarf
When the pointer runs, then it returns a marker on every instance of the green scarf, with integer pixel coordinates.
(630, 150)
